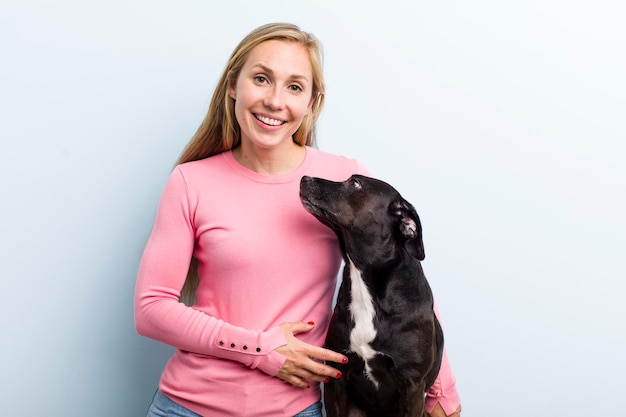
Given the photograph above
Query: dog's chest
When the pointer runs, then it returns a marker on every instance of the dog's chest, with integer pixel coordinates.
(363, 314)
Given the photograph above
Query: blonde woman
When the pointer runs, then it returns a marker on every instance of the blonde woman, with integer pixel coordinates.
(231, 239)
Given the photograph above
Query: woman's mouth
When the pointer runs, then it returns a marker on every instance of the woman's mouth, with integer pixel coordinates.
(268, 121)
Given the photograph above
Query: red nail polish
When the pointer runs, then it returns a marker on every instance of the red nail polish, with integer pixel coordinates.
(308, 386)
(344, 360)
(327, 380)
(338, 375)
(311, 323)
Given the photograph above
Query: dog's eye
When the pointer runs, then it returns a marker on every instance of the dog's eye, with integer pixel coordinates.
(354, 183)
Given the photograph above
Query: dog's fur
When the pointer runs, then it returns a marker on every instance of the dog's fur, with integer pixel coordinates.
(383, 320)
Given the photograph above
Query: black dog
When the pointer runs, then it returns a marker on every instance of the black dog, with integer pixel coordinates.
(384, 320)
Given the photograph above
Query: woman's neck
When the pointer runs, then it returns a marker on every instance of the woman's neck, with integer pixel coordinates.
(275, 161)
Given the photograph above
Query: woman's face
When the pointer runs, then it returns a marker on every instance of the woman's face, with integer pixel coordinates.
(273, 93)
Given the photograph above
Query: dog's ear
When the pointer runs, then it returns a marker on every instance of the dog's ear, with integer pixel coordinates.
(410, 227)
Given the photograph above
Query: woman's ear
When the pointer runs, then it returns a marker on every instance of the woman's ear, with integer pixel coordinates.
(314, 99)
(232, 85)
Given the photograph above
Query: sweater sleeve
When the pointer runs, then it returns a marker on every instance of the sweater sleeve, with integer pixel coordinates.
(443, 390)
(162, 272)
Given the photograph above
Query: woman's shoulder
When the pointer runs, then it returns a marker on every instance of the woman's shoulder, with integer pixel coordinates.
(334, 166)
(201, 173)
(201, 166)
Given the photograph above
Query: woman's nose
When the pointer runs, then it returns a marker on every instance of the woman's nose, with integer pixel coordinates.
(274, 99)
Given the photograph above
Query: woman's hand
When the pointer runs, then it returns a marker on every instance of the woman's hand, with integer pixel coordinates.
(305, 361)
(438, 412)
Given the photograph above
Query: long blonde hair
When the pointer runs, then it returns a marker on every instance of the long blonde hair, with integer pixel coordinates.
(219, 131)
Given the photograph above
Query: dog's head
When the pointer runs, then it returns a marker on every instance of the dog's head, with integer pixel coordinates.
(369, 215)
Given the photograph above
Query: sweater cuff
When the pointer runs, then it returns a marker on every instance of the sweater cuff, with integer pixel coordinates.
(272, 361)
(447, 397)
(256, 350)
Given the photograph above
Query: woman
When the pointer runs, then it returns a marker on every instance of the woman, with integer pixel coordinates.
(258, 272)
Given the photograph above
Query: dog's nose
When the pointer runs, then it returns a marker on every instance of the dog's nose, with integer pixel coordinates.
(306, 178)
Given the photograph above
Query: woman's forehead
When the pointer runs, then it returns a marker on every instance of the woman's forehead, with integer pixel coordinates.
(281, 58)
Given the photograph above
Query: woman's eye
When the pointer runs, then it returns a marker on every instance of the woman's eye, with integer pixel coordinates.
(295, 88)
(260, 79)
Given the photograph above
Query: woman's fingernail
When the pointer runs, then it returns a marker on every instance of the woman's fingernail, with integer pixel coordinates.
(311, 323)
(327, 380)
(344, 360)
(338, 375)
(308, 386)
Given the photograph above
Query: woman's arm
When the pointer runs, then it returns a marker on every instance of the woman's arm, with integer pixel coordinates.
(162, 271)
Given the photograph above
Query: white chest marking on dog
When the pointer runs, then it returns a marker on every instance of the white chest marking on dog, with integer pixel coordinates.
(362, 311)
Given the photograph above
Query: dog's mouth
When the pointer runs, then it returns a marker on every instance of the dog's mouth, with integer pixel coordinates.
(313, 208)
(322, 214)
(309, 196)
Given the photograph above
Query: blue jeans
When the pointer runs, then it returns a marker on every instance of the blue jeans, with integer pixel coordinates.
(162, 406)
(314, 410)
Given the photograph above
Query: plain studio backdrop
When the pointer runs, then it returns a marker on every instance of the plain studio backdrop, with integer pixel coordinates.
(501, 121)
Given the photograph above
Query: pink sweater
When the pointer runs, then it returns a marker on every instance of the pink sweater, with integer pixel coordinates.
(262, 260)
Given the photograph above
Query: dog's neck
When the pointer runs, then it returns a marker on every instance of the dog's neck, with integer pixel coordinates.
(385, 258)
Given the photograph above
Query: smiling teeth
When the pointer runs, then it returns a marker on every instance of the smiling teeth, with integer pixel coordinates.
(268, 121)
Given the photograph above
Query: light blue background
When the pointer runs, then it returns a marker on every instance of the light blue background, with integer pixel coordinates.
(501, 121)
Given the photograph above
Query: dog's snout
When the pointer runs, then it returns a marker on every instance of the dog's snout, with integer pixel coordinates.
(306, 178)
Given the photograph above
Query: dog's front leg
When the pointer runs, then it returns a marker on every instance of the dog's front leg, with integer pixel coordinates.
(415, 402)
(335, 398)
